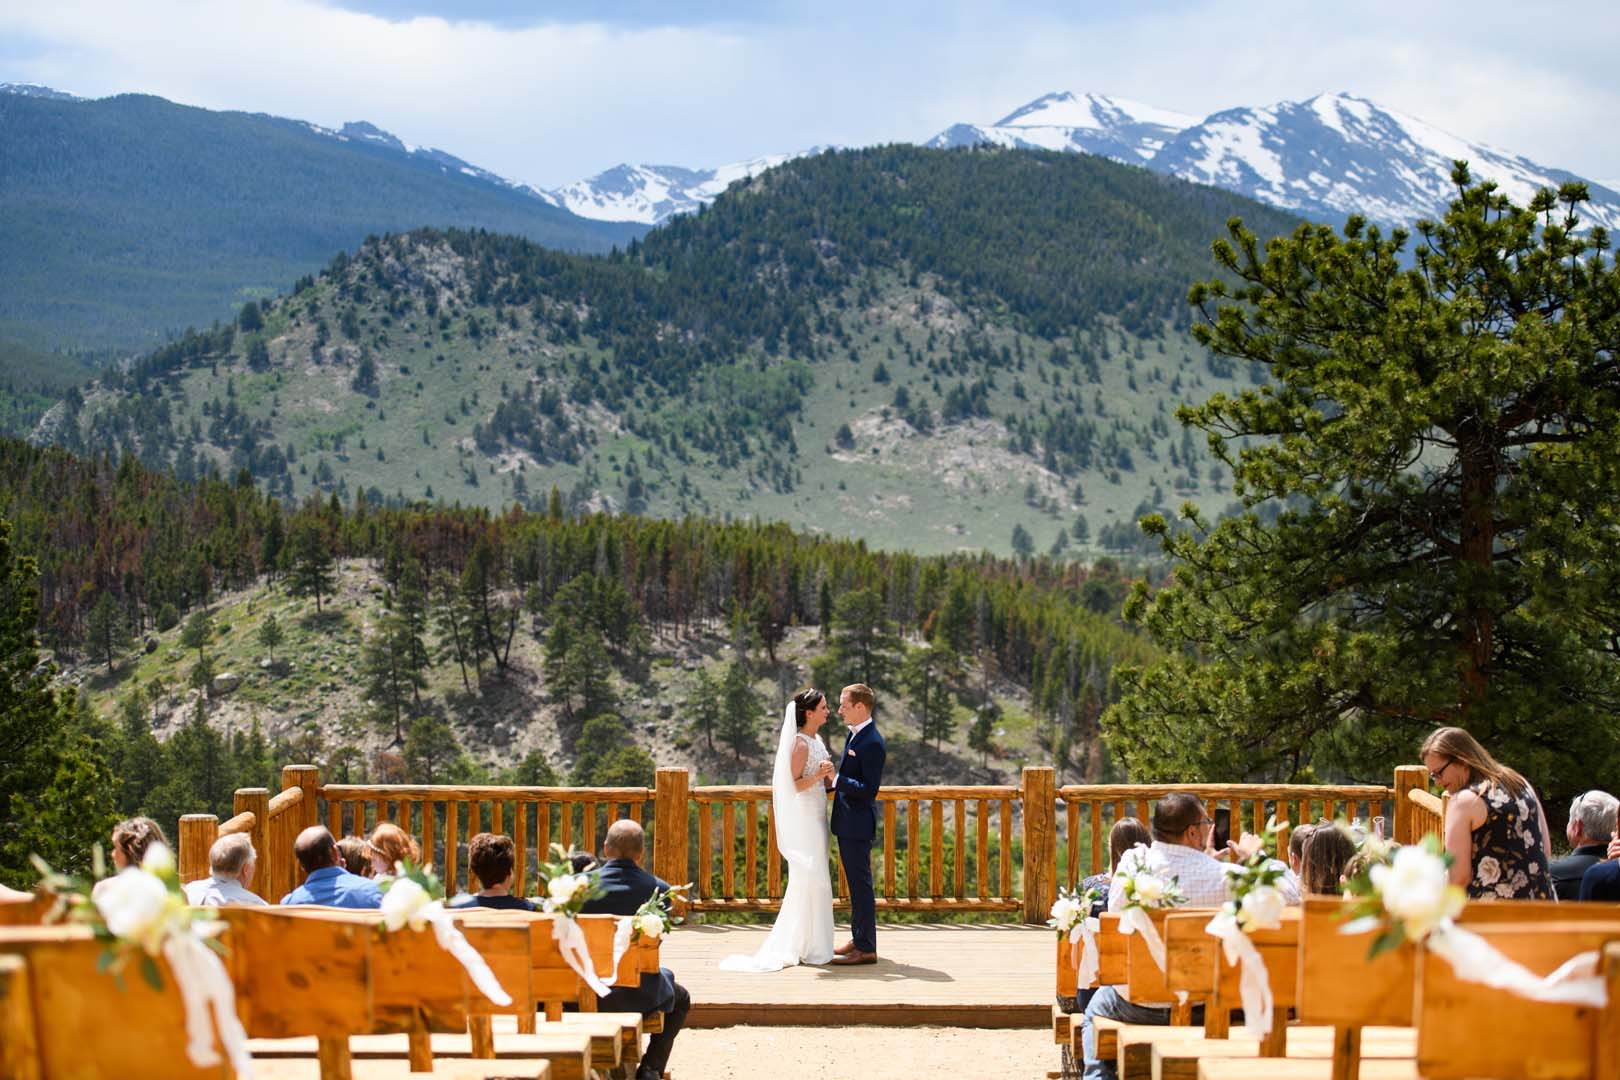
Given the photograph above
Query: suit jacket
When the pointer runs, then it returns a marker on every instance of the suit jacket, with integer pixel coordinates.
(1567, 872)
(628, 887)
(860, 774)
(1602, 882)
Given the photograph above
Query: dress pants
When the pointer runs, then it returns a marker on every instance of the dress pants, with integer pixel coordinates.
(856, 856)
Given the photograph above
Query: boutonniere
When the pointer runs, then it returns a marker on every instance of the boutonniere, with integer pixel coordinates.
(850, 752)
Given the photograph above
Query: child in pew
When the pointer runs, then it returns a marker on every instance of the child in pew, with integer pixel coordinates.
(355, 859)
(1322, 866)
(388, 846)
(491, 856)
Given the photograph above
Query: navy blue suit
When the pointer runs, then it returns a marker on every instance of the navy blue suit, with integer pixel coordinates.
(1601, 882)
(854, 822)
(628, 887)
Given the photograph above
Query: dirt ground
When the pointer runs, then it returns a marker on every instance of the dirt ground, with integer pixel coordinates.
(871, 1053)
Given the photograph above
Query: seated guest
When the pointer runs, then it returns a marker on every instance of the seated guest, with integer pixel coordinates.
(1591, 823)
(327, 883)
(1602, 882)
(1126, 834)
(1327, 852)
(130, 839)
(491, 856)
(1182, 833)
(627, 887)
(581, 861)
(231, 861)
(388, 846)
(1296, 848)
(355, 859)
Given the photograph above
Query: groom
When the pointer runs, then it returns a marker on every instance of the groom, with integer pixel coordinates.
(854, 819)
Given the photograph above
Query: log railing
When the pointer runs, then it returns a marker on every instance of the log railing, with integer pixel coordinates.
(941, 848)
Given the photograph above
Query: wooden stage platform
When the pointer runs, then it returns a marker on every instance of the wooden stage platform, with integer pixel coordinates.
(926, 975)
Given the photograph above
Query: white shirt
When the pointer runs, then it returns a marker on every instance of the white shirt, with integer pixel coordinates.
(858, 728)
(1201, 879)
(216, 891)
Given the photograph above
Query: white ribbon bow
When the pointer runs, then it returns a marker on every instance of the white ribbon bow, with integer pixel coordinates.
(1576, 981)
(203, 983)
(1136, 920)
(571, 943)
(1254, 982)
(451, 941)
(1083, 951)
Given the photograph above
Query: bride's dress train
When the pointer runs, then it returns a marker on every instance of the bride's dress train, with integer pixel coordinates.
(803, 931)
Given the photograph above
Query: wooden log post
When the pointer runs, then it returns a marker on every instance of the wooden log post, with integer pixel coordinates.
(1408, 778)
(256, 801)
(307, 779)
(197, 834)
(19, 1043)
(1040, 841)
(669, 829)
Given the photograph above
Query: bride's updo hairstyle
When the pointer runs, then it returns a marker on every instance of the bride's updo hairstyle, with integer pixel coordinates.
(805, 702)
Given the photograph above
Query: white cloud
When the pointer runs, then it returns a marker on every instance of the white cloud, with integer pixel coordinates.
(550, 103)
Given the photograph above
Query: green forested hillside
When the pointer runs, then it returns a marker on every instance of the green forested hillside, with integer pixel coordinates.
(931, 350)
(130, 218)
(212, 633)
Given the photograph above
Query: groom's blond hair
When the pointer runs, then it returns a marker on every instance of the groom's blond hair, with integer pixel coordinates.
(860, 694)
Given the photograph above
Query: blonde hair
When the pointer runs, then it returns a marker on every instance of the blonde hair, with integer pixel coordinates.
(394, 844)
(1459, 746)
(134, 835)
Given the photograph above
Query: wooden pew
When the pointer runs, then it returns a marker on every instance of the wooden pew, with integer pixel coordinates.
(1144, 981)
(314, 984)
(1340, 988)
(61, 1018)
(29, 911)
(1468, 1030)
(1112, 970)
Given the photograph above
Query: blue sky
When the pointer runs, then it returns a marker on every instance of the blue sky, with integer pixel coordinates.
(549, 92)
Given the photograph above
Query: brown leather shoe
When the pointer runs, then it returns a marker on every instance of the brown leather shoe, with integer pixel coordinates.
(845, 949)
(850, 959)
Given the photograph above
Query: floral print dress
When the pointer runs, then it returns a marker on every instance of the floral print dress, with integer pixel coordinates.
(1510, 860)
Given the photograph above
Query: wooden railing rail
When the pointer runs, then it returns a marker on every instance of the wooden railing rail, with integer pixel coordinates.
(927, 865)
(944, 848)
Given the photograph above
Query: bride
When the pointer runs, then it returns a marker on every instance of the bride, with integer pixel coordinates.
(803, 931)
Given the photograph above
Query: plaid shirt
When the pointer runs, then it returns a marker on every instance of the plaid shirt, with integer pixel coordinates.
(1202, 879)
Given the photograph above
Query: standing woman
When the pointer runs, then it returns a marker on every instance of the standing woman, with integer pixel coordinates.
(1496, 829)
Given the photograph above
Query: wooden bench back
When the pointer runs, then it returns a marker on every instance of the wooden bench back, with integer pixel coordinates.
(508, 949)
(30, 911)
(1143, 980)
(1469, 1030)
(63, 1019)
(298, 973)
(1190, 954)
(1112, 951)
(1381, 994)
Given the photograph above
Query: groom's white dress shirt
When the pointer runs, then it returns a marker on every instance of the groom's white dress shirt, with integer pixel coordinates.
(854, 731)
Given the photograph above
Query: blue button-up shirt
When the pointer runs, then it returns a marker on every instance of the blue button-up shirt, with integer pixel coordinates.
(334, 886)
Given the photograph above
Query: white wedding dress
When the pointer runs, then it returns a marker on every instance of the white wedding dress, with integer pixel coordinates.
(803, 931)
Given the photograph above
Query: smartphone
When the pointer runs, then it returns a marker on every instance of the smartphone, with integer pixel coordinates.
(1223, 829)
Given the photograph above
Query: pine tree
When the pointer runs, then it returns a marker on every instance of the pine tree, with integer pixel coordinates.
(981, 734)
(703, 705)
(925, 676)
(1429, 478)
(864, 645)
(313, 571)
(198, 633)
(387, 664)
(108, 630)
(740, 712)
(431, 750)
(270, 635)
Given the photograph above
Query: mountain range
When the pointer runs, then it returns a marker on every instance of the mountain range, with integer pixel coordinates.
(128, 218)
(1325, 158)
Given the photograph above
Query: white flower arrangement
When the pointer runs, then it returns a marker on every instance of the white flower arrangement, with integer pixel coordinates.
(1405, 894)
(654, 918)
(566, 892)
(1070, 909)
(1145, 883)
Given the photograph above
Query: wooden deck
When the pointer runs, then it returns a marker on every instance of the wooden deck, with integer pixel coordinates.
(926, 975)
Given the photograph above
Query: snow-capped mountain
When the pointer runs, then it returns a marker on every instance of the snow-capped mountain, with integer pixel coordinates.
(1124, 130)
(650, 194)
(36, 91)
(1327, 157)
